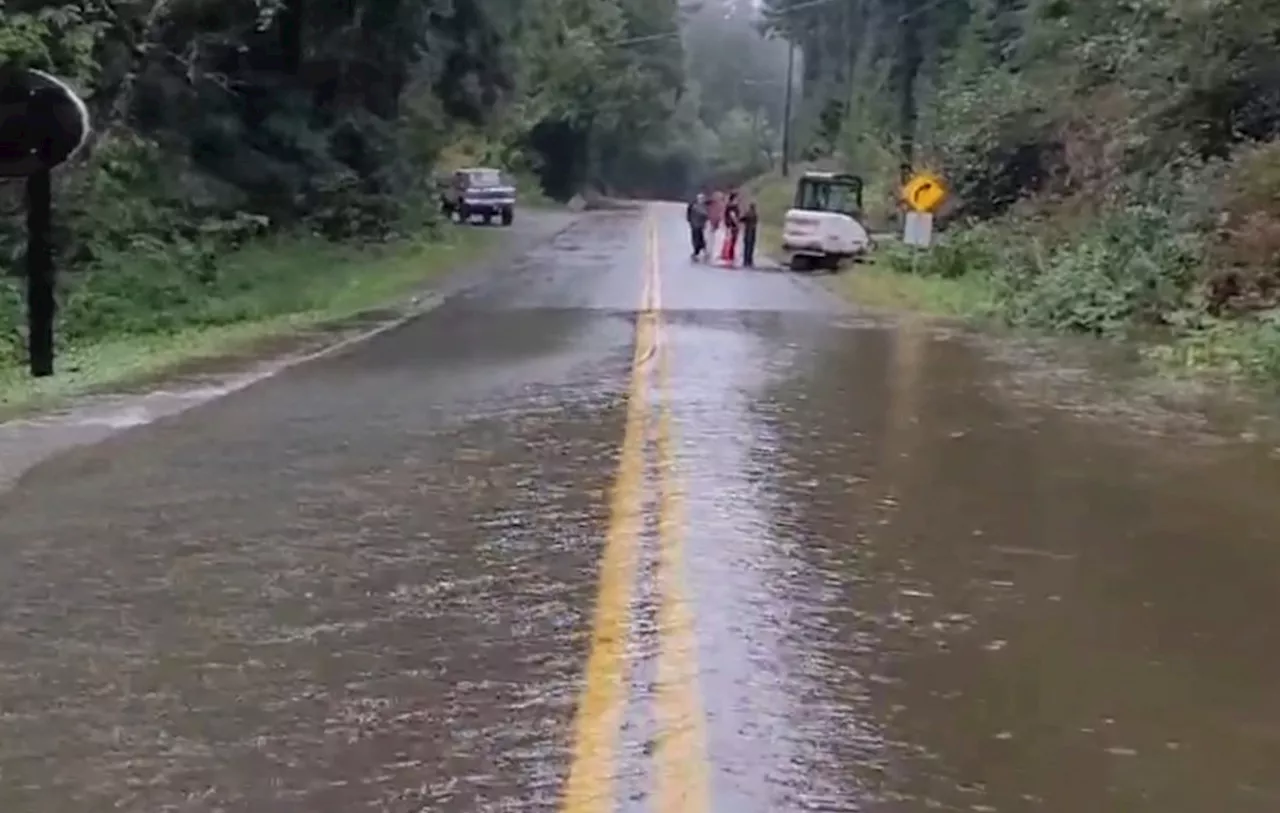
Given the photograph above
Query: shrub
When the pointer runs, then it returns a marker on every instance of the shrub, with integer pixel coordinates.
(1134, 266)
(1243, 271)
(960, 253)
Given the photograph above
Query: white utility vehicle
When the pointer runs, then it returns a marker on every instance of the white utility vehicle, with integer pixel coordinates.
(823, 229)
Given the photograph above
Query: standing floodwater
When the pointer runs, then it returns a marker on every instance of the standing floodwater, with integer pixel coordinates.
(850, 569)
(977, 603)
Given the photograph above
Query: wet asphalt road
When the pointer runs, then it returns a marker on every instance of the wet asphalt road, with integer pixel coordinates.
(613, 531)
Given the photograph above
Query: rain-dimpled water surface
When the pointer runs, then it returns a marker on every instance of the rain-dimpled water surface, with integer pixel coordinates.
(368, 582)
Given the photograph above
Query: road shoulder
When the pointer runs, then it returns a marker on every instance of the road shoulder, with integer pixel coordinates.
(146, 382)
(386, 286)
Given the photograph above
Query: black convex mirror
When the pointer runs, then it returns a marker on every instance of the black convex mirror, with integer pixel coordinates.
(43, 123)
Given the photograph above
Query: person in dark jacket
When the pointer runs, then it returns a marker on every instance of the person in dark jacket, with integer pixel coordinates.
(696, 214)
(750, 222)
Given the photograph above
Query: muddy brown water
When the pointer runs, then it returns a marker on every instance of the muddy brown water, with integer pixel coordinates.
(927, 571)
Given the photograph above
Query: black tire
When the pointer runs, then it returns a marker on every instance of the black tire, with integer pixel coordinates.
(488, 218)
(464, 214)
(508, 215)
(800, 262)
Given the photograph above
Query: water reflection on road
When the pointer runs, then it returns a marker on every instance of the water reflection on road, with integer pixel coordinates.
(369, 582)
(1038, 613)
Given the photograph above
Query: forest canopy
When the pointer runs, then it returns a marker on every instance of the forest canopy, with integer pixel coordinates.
(1114, 163)
(225, 124)
(335, 113)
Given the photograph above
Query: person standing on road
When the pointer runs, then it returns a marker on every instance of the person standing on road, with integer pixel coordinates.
(696, 214)
(750, 222)
(715, 210)
(732, 214)
(715, 218)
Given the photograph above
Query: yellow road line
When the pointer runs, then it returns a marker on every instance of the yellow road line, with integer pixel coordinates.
(592, 771)
(682, 782)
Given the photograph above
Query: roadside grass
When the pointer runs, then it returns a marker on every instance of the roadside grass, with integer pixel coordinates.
(874, 285)
(266, 291)
(773, 195)
(1143, 272)
(531, 196)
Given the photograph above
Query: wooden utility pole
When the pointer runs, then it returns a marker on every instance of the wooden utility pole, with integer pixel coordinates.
(910, 69)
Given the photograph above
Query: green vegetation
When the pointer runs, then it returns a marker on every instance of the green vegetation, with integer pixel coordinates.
(1115, 165)
(889, 282)
(893, 279)
(255, 162)
(772, 194)
(732, 113)
(154, 316)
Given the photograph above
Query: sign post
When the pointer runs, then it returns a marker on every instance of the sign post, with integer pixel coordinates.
(43, 123)
(919, 229)
(923, 194)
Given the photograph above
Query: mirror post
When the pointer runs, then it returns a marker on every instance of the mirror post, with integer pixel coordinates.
(43, 124)
(41, 305)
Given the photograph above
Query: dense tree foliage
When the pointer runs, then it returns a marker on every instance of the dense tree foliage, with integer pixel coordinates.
(737, 78)
(1126, 150)
(999, 89)
(333, 113)
(1123, 153)
(217, 121)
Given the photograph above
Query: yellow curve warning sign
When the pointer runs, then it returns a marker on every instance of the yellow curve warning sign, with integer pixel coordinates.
(924, 193)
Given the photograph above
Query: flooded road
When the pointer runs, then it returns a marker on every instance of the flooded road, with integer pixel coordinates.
(616, 532)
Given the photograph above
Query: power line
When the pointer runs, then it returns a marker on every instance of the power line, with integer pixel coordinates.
(668, 35)
(807, 4)
(673, 34)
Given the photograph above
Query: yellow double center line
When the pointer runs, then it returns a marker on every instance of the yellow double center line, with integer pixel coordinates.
(680, 755)
(680, 758)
